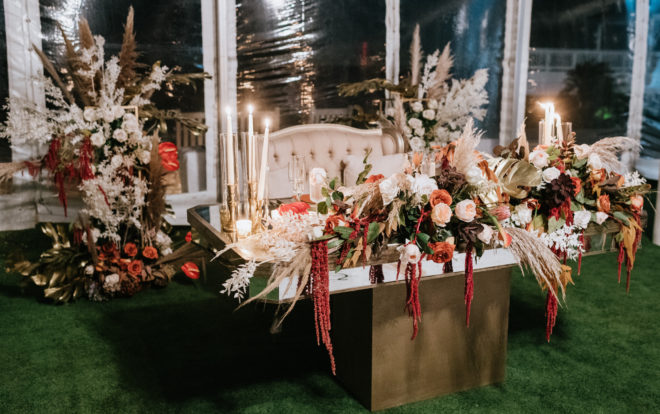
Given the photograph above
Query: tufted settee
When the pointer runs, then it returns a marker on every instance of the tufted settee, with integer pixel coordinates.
(325, 146)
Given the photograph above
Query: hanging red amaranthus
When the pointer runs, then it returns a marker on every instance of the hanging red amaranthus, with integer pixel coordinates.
(580, 253)
(320, 288)
(376, 274)
(413, 274)
(550, 313)
(86, 160)
(469, 282)
(619, 259)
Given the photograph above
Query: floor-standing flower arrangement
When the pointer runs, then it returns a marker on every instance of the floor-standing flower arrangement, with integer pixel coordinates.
(100, 138)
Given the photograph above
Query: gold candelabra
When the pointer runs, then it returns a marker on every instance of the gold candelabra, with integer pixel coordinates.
(229, 213)
(256, 208)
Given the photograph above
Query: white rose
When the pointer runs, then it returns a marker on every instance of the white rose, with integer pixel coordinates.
(594, 162)
(486, 234)
(89, 269)
(523, 214)
(120, 135)
(112, 279)
(466, 210)
(582, 218)
(97, 139)
(475, 176)
(550, 174)
(108, 115)
(409, 253)
(116, 161)
(433, 104)
(144, 156)
(417, 106)
(130, 123)
(419, 132)
(389, 189)
(407, 131)
(117, 111)
(422, 184)
(415, 123)
(90, 114)
(601, 217)
(539, 158)
(428, 114)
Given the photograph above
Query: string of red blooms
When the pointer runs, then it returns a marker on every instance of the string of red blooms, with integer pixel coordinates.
(620, 260)
(580, 253)
(319, 279)
(550, 314)
(469, 282)
(376, 274)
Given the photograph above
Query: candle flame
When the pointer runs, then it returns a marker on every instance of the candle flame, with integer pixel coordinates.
(228, 110)
(250, 109)
(267, 122)
(547, 105)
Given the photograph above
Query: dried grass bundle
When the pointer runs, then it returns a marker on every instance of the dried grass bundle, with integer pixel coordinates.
(128, 54)
(48, 65)
(367, 197)
(82, 85)
(466, 145)
(530, 251)
(415, 56)
(8, 169)
(437, 88)
(86, 36)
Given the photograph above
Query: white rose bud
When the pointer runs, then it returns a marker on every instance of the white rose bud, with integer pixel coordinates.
(486, 234)
(117, 111)
(419, 132)
(417, 106)
(582, 218)
(389, 190)
(601, 217)
(108, 115)
(120, 135)
(144, 156)
(90, 114)
(428, 114)
(415, 123)
(116, 161)
(523, 214)
(433, 104)
(550, 174)
(97, 139)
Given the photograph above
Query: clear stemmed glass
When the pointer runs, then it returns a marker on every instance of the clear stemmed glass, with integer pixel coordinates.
(297, 174)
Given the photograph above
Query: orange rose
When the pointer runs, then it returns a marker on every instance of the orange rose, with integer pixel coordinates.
(637, 203)
(131, 249)
(577, 185)
(331, 222)
(150, 252)
(169, 156)
(598, 175)
(442, 252)
(604, 203)
(109, 249)
(439, 196)
(441, 214)
(466, 210)
(191, 270)
(532, 203)
(374, 178)
(135, 268)
(621, 181)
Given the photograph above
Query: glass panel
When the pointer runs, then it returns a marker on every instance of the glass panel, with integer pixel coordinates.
(475, 29)
(651, 119)
(580, 59)
(5, 151)
(292, 55)
(169, 31)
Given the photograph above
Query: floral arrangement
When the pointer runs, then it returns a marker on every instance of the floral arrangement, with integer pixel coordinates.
(537, 204)
(429, 107)
(100, 138)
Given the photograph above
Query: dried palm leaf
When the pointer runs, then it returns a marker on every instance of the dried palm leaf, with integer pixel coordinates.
(8, 169)
(515, 176)
(530, 251)
(48, 65)
(464, 154)
(437, 88)
(128, 54)
(415, 57)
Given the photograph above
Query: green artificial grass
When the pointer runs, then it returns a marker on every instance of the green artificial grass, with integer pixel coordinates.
(183, 349)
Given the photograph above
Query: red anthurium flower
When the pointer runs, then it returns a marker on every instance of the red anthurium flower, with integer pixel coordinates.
(191, 270)
(298, 207)
(189, 237)
(169, 156)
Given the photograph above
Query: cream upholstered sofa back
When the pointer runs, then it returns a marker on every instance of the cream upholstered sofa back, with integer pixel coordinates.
(324, 146)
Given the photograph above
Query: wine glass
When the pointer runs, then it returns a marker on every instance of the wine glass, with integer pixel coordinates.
(297, 174)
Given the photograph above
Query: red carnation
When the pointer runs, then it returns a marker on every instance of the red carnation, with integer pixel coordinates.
(169, 156)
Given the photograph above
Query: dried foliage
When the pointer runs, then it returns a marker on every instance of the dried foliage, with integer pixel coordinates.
(464, 154)
(128, 54)
(437, 88)
(415, 56)
(155, 205)
(608, 150)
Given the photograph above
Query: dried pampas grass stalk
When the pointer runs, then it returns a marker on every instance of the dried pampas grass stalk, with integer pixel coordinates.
(530, 251)
(415, 56)
(48, 65)
(156, 206)
(83, 85)
(300, 266)
(608, 150)
(464, 154)
(442, 69)
(128, 54)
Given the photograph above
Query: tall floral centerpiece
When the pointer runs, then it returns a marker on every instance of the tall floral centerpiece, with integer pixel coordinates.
(101, 138)
(429, 107)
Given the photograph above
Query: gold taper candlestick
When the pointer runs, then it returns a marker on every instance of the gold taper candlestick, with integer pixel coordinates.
(230, 215)
(255, 207)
